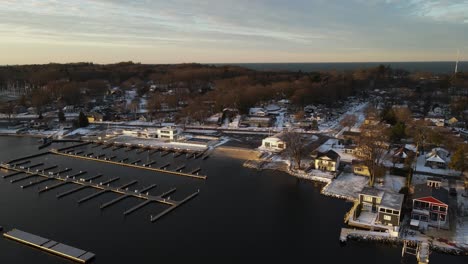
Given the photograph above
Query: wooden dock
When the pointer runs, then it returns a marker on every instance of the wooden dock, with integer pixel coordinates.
(203, 177)
(50, 246)
(105, 187)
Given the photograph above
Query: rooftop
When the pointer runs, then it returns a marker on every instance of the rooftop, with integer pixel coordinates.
(330, 154)
(372, 192)
(392, 200)
(422, 191)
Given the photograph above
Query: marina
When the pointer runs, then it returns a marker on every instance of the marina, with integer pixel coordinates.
(102, 188)
(94, 228)
(131, 164)
(50, 246)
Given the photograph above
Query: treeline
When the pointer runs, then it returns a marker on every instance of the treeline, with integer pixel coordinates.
(116, 74)
(204, 89)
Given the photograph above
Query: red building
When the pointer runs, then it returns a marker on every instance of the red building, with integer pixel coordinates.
(430, 205)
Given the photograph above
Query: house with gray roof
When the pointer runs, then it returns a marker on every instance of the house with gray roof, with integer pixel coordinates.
(430, 205)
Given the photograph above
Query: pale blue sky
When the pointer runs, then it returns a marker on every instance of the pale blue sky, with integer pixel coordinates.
(173, 31)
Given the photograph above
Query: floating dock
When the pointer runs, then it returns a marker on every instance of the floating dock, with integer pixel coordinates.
(50, 246)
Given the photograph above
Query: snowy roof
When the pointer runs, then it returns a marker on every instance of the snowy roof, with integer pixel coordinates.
(411, 147)
(276, 138)
(369, 191)
(392, 200)
(272, 108)
(437, 155)
(272, 139)
(256, 109)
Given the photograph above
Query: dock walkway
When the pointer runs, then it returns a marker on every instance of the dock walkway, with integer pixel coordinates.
(50, 246)
(105, 187)
(178, 173)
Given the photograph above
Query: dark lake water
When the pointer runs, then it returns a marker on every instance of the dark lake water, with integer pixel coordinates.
(240, 216)
(431, 66)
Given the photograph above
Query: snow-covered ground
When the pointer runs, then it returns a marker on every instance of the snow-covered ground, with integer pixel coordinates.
(158, 143)
(329, 144)
(346, 186)
(333, 144)
(280, 121)
(235, 122)
(6, 131)
(81, 131)
(334, 127)
(392, 183)
(461, 234)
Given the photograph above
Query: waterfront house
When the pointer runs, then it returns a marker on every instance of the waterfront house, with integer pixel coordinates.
(360, 168)
(370, 198)
(274, 143)
(430, 205)
(381, 206)
(437, 158)
(327, 161)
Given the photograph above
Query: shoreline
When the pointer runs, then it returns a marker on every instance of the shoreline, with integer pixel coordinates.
(458, 250)
(21, 135)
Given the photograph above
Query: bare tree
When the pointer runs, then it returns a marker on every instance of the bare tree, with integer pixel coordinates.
(295, 147)
(372, 147)
(348, 121)
(402, 114)
(7, 108)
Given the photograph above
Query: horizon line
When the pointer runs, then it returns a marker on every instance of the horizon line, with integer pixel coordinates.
(228, 63)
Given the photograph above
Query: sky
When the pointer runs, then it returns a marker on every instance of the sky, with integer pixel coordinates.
(232, 31)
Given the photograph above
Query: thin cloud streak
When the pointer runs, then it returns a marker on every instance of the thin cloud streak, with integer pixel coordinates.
(256, 30)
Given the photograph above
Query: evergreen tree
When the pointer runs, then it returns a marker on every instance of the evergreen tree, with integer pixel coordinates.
(61, 116)
(82, 120)
(398, 132)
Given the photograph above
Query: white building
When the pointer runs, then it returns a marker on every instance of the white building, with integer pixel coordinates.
(169, 132)
(274, 143)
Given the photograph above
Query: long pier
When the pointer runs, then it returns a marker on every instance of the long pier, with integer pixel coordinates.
(50, 246)
(35, 183)
(118, 199)
(12, 174)
(104, 186)
(149, 164)
(28, 157)
(74, 146)
(22, 163)
(24, 178)
(203, 177)
(168, 210)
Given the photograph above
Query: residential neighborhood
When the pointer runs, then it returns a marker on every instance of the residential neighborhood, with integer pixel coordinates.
(401, 163)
